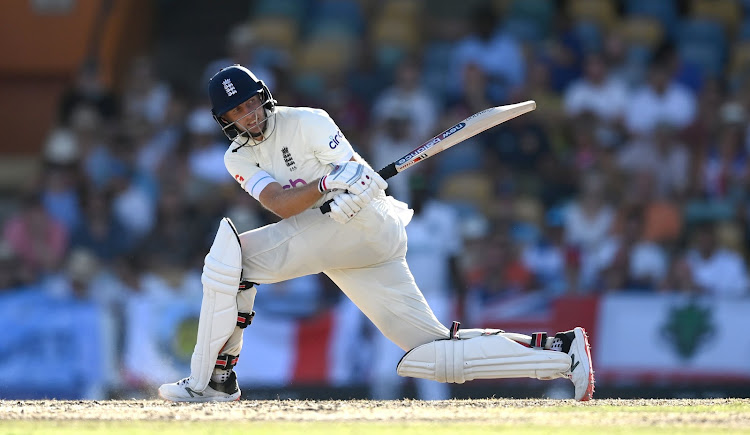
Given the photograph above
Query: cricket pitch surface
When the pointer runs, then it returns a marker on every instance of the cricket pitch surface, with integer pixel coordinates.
(377, 417)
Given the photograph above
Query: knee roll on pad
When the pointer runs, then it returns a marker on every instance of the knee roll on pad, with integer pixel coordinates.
(481, 357)
(218, 317)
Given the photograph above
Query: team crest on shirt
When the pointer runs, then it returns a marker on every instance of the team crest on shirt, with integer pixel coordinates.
(288, 159)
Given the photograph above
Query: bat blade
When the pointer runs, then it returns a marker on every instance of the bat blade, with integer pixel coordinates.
(458, 133)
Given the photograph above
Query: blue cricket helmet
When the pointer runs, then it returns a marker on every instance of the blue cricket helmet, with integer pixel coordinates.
(232, 86)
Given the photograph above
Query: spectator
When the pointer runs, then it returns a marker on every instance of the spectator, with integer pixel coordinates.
(688, 74)
(588, 221)
(660, 100)
(407, 95)
(135, 192)
(90, 90)
(474, 95)
(549, 110)
(59, 194)
(176, 239)
(521, 145)
(596, 92)
(587, 150)
(98, 157)
(628, 261)
(715, 270)
(562, 54)
(145, 96)
(155, 149)
(725, 168)
(242, 44)
(38, 239)
(347, 107)
(495, 52)
(78, 274)
(206, 155)
(100, 231)
(663, 156)
(662, 215)
(546, 259)
(705, 127)
(615, 53)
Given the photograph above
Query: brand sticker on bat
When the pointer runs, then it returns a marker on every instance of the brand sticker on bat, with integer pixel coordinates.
(430, 144)
(479, 114)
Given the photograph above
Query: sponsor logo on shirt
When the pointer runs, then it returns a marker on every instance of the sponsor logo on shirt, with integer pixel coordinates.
(294, 183)
(335, 140)
(239, 178)
(288, 159)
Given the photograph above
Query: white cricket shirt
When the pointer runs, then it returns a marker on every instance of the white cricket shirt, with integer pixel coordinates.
(303, 146)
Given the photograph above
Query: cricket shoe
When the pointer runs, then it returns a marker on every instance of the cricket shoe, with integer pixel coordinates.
(576, 344)
(180, 391)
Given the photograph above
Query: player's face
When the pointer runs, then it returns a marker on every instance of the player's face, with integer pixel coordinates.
(248, 115)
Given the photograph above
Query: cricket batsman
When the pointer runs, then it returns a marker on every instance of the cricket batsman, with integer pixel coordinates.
(292, 160)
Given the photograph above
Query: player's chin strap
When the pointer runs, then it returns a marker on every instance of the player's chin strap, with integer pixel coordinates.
(481, 354)
(269, 121)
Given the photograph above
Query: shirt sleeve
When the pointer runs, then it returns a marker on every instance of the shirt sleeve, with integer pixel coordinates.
(328, 143)
(251, 178)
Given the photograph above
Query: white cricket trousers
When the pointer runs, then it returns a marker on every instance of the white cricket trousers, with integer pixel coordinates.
(365, 258)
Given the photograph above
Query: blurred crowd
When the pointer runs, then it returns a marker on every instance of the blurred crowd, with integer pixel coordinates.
(631, 175)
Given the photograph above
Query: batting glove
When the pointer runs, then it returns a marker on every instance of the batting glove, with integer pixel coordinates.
(379, 181)
(344, 207)
(372, 191)
(350, 176)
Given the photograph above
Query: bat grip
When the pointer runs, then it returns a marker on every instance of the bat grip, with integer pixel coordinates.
(387, 172)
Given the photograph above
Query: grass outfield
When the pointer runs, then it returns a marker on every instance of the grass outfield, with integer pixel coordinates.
(377, 417)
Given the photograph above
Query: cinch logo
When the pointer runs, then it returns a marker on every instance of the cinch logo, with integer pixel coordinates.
(335, 140)
(229, 87)
(294, 183)
(239, 177)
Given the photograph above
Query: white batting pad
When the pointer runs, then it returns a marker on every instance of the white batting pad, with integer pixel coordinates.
(482, 357)
(221, 279)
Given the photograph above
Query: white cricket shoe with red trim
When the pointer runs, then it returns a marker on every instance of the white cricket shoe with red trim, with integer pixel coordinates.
(180, 391)
(576, 344)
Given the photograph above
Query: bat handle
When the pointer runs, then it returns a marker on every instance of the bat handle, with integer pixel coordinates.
(387, 172)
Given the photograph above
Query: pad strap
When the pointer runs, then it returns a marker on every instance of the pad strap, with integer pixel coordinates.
(245, 284)
(454, 330)
(226, 362)
(244, 319)
(538, 340)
